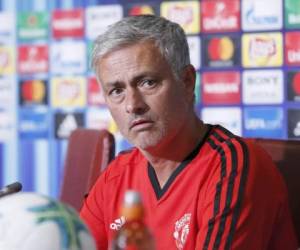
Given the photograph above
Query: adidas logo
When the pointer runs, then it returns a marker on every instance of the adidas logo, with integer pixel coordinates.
(67, 126)
(117, 224)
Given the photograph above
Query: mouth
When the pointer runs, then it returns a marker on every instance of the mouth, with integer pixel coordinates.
(141, 124)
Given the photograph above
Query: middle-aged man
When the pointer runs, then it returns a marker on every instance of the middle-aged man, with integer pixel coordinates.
(202, 186)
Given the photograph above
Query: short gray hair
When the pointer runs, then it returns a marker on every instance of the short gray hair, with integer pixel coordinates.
(168, 36)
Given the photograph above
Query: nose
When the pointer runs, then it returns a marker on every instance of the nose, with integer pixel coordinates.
(135, 103)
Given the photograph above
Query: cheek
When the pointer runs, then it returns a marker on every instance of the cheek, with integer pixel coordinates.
(118, 116)
(176, 102)
(170, 109)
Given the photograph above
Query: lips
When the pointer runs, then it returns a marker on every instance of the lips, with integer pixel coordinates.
(140, 123)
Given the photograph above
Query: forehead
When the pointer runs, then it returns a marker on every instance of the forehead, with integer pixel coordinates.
(143, 56)
(142, 49)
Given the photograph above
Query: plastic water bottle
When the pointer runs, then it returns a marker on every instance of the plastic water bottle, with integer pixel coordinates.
(134, 234)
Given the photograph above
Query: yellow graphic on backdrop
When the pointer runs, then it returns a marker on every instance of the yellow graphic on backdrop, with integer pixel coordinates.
(185, 13)
(262, 50)
(68, 92)
(7, 65)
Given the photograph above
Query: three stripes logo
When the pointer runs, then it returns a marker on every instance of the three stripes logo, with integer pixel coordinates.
(118, 223)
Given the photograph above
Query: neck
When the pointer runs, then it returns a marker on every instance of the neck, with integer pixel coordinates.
(166, 158)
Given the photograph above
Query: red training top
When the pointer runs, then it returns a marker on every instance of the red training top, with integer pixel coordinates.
(226, 194)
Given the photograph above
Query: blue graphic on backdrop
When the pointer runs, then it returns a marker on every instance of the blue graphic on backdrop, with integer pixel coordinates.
(33, 124)
(63, 60)
(263, 122)
(253, 17)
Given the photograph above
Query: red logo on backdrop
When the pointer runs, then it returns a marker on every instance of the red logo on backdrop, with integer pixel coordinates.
(95, 95)
(296, 83)
(220, 48)
(293, 85)
(221, 87)
(33, 92)
(141, 10)
(221, 15)
(221, 51)
(33, 59)
(292, 48)
(68, 23)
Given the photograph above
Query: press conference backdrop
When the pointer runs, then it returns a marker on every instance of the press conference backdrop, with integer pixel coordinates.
(247, 56)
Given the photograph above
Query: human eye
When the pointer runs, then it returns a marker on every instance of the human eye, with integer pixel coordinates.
(148, 83)
(115, 92)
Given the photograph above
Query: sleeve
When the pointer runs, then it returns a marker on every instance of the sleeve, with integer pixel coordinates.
(92, 213)
(242, 200)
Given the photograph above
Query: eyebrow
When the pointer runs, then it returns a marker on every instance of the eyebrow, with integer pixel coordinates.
(135, 79)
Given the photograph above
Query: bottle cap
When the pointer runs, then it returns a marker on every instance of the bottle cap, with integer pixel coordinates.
(132, 197)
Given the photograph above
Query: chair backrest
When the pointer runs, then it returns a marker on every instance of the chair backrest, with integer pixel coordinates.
(89, 152)
(286, 155)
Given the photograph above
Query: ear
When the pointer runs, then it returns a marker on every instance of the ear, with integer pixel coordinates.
(188, 77)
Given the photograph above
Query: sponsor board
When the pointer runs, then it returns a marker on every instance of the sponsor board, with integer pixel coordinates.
(220, 16)
(7, 60)
(261, 15)
(7, 120)
(292, 48)
(65, 123)
(33, 92)
(68, 92)
(65, 61)
(263, 87)
(185, 13)
(293, 86)
(262, 50)
(95, 95)
(134, 9)
(32, 25)
(221, 51)
(228, 117)
(7, 92)
(264, 122)
(293, 123)
(33, 59)
(292, 14)
(67, 23)
(33, 123)
(221, 87)
(7, 31)
(194, 46)
(99, 118)
(99, 17)
(7, 125)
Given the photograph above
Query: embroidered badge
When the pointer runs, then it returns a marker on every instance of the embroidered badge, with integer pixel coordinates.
(182, 229)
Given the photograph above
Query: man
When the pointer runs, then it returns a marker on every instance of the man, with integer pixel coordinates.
(202, 186)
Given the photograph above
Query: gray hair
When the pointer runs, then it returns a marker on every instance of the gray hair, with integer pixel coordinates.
(168, 36)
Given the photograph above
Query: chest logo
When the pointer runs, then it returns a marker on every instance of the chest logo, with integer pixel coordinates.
(182, 229)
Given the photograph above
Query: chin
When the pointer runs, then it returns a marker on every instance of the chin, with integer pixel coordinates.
(146, 142)
(145, 145)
